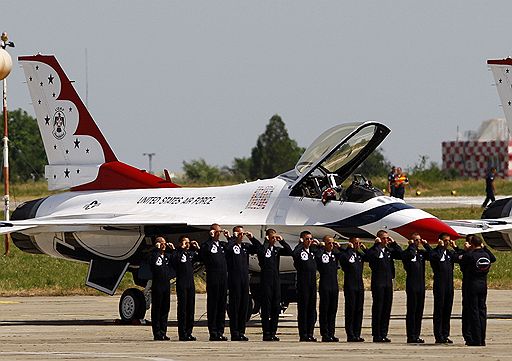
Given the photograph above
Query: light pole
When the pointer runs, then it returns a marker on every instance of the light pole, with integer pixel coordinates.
(5, 69)
(150, 159)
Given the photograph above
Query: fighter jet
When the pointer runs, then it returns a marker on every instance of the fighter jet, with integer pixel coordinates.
(111, 210)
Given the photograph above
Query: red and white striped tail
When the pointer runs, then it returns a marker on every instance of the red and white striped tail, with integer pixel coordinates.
(79, 156)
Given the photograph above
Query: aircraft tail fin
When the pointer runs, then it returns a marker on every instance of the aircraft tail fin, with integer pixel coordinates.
(79, 156)
(502, 73)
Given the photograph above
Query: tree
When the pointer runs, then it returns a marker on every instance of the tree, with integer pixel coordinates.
(198, 171)
(241, 169)
(274, 152)
(27, 157)
(375, 165)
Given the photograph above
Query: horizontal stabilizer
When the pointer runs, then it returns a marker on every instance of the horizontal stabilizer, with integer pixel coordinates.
(6, 227)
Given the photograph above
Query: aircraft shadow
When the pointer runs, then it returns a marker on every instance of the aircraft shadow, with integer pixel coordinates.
(254, 322)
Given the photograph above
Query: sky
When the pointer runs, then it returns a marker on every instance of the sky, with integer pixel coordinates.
(201, 79)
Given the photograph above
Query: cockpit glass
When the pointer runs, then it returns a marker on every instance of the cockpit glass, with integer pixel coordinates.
(329, 140)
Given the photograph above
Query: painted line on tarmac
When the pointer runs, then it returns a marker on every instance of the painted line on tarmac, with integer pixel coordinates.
(8, 302)
(99, 355)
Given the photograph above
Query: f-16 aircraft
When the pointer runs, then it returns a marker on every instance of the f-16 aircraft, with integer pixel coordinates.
(112, 210)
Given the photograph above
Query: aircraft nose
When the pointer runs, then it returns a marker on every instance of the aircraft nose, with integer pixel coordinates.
(428, 228)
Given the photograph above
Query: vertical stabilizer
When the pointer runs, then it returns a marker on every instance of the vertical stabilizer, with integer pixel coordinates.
(78, 154)
(502, 73)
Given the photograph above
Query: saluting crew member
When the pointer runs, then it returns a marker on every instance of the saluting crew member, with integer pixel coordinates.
(466, 330)
(237, 256)
(183, 261)
(268, 257)
(160, 288)
(477, 262)
(441, 261)
(327, 265)
(213, 256)
(351, 260)
(305, 264)
(414, 260)
(380, 257)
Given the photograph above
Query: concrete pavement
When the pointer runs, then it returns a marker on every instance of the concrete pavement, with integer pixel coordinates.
(83, 328)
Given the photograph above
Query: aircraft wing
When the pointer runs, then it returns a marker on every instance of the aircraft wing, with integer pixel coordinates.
(471, 226)
(67, 222)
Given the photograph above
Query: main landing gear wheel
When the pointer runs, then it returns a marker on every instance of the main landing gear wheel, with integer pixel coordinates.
(132, 305)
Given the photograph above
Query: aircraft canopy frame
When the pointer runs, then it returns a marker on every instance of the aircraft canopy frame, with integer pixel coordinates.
(340, 149)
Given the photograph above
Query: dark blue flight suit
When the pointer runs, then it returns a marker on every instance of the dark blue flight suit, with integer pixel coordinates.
(391, 181)
(237, 257)
(353, 289)
(183, 262)
(213, 256)
(477, 264)
(160, 292)
(414, 264)
(489, 191)
(305, 264)
(466, 329)
(442, 261)
(268, 258)
(383, 271)
(327, 265)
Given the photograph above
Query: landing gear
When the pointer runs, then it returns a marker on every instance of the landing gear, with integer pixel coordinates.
(132, 305)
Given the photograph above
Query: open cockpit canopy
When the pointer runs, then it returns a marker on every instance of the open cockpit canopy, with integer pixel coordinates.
(337, 152)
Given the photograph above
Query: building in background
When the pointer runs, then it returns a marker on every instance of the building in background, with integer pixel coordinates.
(478, 151)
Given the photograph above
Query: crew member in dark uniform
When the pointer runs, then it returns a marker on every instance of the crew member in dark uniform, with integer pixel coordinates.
(212, 254)
(490, 191)
(391, 181)
(351, 260)
(441, 261)
(160, 289)
(305, 264)
(466, 330)
(414, 260)
(268, 257)
(327, 265)
(380, 257)
(237, 256)
(183, 261)
(477, 262)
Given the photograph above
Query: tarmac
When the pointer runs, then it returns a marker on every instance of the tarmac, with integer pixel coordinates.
(85, 328)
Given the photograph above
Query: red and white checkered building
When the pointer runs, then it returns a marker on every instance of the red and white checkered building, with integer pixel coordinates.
(474, 158)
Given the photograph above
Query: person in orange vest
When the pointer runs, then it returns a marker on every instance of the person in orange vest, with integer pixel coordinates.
(401, 181)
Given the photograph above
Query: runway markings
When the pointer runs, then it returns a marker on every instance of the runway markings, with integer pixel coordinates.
(8, 302)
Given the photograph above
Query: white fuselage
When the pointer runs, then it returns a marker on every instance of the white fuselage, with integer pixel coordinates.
(256, 206)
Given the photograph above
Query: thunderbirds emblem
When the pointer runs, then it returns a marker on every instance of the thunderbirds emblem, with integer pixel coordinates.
(59, 123)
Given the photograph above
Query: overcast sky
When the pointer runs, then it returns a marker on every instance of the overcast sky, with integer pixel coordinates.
(201, 79)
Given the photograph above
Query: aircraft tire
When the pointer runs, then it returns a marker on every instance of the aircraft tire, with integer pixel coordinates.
(132, 305)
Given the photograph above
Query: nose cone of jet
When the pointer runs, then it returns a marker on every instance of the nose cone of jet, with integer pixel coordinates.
(428, 228)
